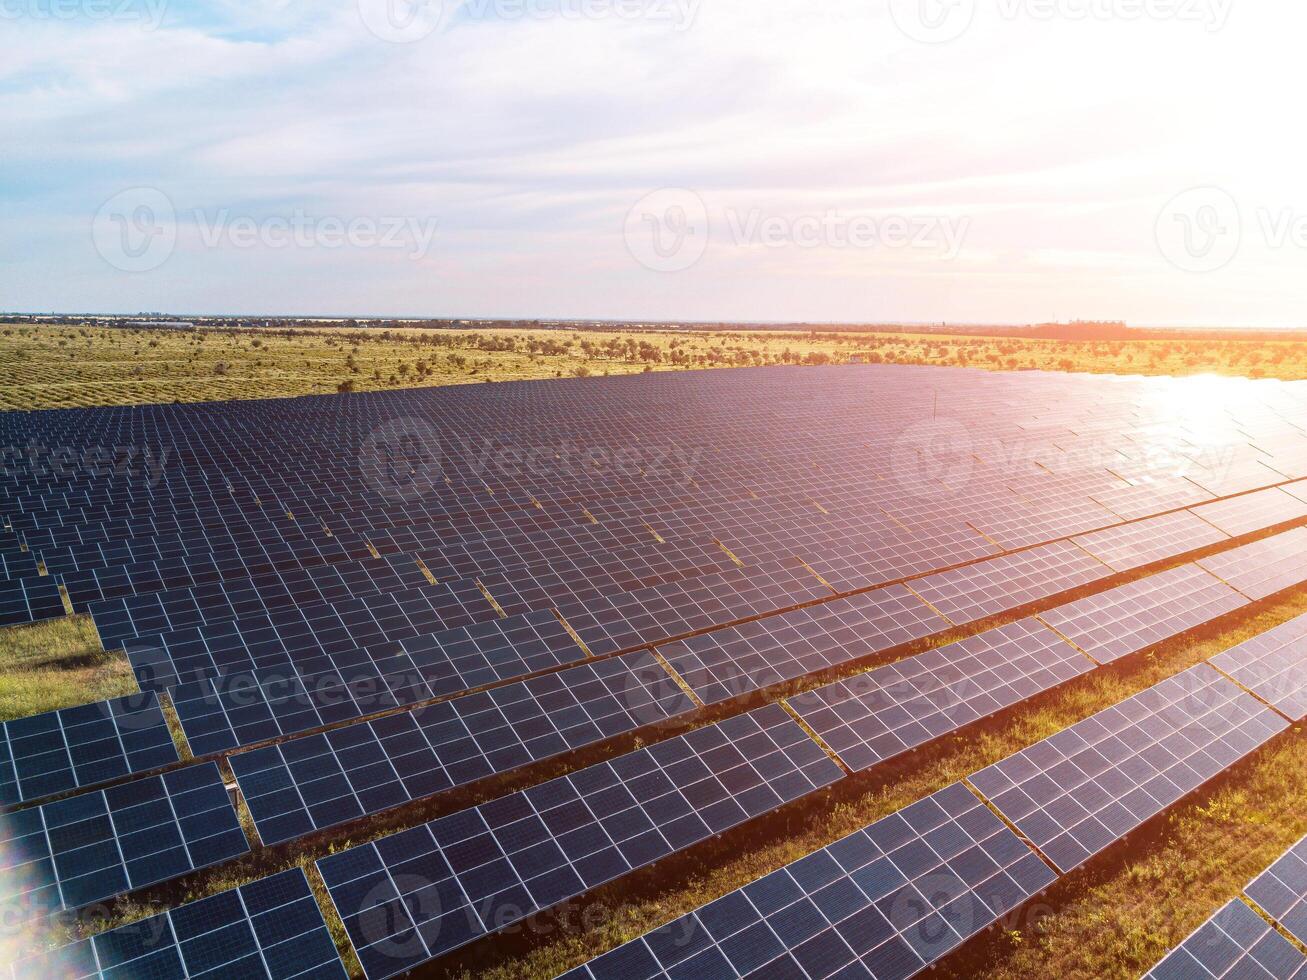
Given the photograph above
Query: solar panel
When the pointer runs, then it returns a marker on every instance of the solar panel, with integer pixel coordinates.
(1079, 791)
(245, 708)
(1264, 567)
(1281, 891)
(633, 619)
(1130, 546)
(306, 784)
(725, 663)
(884, 902)
(996, 585)
(1235, 943)
(78, 747)
(289, 635)
(29, 600)
(88, 848)
(1153, 497)
(1253, 512)
(1121, 621)
(271, 928)
(875, 716)
(1273, 665)
(222, 601)
(417, 894)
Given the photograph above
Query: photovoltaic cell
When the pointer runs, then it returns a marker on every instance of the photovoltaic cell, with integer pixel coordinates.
(1273, 665)
(728, 662)
(88, 848)
(1264, 567)
(875, 716)
(1253, 511)
(1281, 891)
(29, 600)
(1236, 943)
(412, 896)
(1130, 546)
(996, 585)
(78, 747)
(1121, 621)
(1077, 792)
(885, 902)
(309, 783)
(632, 619)
(270, 929)
(245, 708)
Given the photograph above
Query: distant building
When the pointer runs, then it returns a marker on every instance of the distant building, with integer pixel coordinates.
(161, 324)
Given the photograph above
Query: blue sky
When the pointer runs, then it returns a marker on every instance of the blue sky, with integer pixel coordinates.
(917, 160)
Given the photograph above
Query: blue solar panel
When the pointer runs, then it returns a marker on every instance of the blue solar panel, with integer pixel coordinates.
(271, 929)
(78, 747)
(1236, 943)
(1281, 891)
(303, 785)
(88, 848)
(412, 896)
(884, 902)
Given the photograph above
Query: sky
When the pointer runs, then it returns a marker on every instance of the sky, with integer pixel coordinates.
(977, 161)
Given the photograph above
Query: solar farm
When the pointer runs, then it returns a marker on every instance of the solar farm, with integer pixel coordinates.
(419, 670)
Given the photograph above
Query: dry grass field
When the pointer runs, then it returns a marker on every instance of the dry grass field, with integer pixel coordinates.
(64, 367)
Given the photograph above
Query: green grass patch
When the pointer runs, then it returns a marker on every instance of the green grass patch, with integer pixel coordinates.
(58, 664)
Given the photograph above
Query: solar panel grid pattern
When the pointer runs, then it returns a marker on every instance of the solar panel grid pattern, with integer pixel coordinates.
(1077, 792)
(1153, 497)
(216, 602)
(1281, 891)
(647, 616)
(885, 902)
(988, 587)
(29, 600)
(725, 663)
(1116, 623)
(412, 896)
(290, 635)
(304, 785)
(271, 929)
(243, 708)
(1234, 943)
(1273, 665)
(73, 748)
(588, 579)
(1252, 512)
(856, 561)
(875, 716)
(1131, 546)
(87, 848)
(1264, 567)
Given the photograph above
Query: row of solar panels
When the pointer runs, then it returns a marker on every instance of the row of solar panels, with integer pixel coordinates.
(457, 741)
(1237, 942)
(895, 897)
(91, 847)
